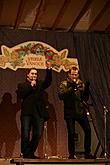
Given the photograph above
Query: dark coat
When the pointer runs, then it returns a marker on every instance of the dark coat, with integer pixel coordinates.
(73, 96)
(32, 97)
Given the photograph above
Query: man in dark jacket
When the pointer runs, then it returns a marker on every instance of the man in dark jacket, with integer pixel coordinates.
(34, 113)
(74, 94)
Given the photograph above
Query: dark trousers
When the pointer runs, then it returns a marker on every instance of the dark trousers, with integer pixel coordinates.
(31, 131)
(84, 123)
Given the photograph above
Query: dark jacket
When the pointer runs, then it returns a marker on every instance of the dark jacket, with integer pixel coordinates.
(73, 96)
(32, 97)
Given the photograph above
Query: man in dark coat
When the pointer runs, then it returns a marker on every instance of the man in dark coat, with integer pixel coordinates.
(74, 94)
(33, 110)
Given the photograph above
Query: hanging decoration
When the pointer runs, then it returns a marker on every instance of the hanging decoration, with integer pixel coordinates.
(34, 54)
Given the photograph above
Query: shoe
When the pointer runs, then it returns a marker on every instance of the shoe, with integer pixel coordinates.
(89, 156)
(72, 157)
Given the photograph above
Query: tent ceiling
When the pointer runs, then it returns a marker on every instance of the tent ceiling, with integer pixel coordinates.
(56, 15)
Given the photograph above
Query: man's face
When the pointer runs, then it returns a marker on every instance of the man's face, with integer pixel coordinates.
(32, 75)
(73, 75)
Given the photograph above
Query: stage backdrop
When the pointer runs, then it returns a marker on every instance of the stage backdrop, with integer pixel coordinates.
(93, 53)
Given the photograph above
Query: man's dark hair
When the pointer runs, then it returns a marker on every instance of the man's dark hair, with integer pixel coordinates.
(28, 70)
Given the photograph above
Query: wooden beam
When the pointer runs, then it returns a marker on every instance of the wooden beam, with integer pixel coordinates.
(82, 12)
(37, 13)
(107, 28)
(98, 17)
(19, 13)
(42, 5)
(1, 7)
(60, 14)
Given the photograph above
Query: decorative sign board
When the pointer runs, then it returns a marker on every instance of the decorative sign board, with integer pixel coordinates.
(34, 54)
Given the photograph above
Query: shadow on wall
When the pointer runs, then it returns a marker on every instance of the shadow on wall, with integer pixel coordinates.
(48, 143)
(9, 132)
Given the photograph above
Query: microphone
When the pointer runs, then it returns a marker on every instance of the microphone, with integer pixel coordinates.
(105, 108)
(33, 82)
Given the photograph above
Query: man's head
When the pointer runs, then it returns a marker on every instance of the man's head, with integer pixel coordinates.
(32, 74)
(73, 73)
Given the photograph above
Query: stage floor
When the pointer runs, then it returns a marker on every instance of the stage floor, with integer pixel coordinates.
(21, 161)
(98, 161)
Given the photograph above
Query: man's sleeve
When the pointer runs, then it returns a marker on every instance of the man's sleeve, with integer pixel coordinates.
(24, 90)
